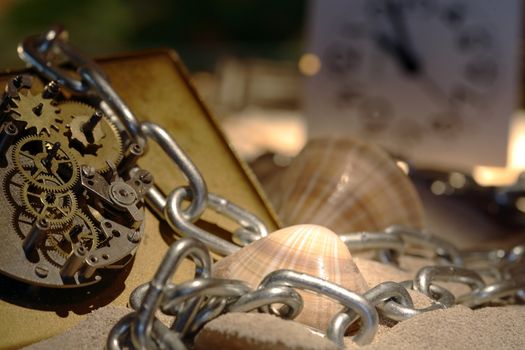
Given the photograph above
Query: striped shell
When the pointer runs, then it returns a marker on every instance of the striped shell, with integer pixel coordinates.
(310, 249)
(347, 186)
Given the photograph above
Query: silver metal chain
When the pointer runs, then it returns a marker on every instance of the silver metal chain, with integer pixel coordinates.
(194, 303)
(46, 53)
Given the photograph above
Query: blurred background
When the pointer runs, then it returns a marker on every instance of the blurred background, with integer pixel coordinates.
(267, 69)
(227, 45)
(202, 32)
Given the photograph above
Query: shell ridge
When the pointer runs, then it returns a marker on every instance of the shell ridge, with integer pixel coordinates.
(293, 260)
(309, 188)
(361, 199)
(301, 239)
(329, 191)
(311, 210)
(361, 177)
(351, 180)
(337, 272)
(281, 254)
(310, 249)
(374, 182)
(290, 186)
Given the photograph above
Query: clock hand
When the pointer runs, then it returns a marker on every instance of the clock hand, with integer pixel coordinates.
(400, 46)
(397, 20)
(436, 92)
(404, 57)
(412, 66)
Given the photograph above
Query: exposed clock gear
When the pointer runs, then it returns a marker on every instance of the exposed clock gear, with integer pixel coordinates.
(46, 212)
(35, 156)
(38, 112)
(57, 207)
(81, 232)
(12, 187)
(91, 135)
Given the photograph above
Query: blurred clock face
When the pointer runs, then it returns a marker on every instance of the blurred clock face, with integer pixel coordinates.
(440, 54)
(411, 69)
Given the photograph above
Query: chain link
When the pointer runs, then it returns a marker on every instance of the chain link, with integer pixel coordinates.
(441, 297)
(430, 274)
(379, 294)
(495, 292)
(47, 52)
(350, 300)
(439, 248)
(504, 269)
(199, 190)
(264, 299)
(194, 303)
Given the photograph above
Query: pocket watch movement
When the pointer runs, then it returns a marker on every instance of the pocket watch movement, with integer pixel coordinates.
(70, 208)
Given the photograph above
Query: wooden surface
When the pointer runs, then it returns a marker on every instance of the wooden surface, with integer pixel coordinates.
(157, 88)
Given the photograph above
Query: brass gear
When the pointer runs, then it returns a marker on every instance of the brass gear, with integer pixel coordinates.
(34, 156)
(38, 112)
(57, 207)
(12, 187)
(81, 231)
(103, 142)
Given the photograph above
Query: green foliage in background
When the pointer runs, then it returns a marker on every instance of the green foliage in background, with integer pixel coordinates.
(201, 30)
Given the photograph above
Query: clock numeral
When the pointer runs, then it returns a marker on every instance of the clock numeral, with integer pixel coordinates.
(447, 125)
(340, 59)
(375, 114)
(454, 15)
(481, 72)
(474, 38)
(347, 98)
(463, 95)
(409, 132)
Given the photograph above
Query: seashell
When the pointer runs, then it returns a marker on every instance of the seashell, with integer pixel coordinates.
(310, 249)
(347, 186)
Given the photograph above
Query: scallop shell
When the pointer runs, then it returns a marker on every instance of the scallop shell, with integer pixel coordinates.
(310, 249)
(347, 186)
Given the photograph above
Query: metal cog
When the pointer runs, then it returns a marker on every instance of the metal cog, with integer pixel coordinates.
(21, 222)
(12, 187)
(34, 156)
(81, 231)
(58, 208)
(38, 112)
(92, 146)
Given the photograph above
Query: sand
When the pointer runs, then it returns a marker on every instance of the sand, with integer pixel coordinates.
(458, 328)
(455, 328)
(238, 331)
(91, 333)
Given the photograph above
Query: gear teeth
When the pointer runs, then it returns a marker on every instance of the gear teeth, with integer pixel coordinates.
(18, 153)
(51, 254)
(92, 231)
(55, 223)
(37, 112)
(71, 107)
(18, 218)
(112, 146)
(6, 188)
(119, 143)
(40, 174)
